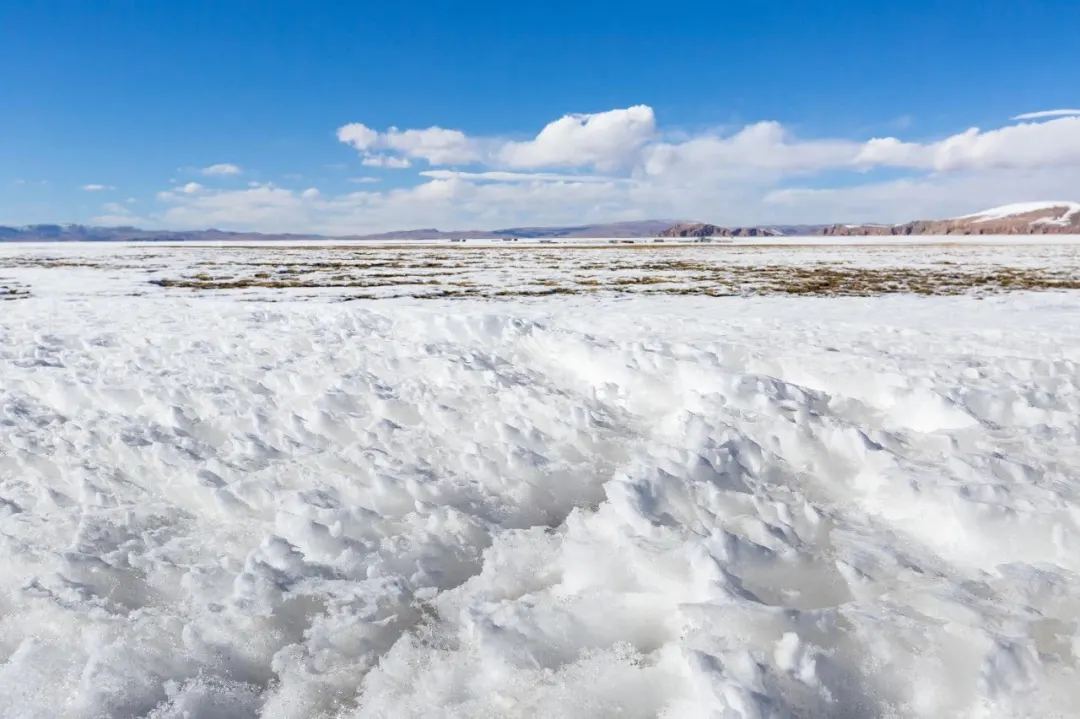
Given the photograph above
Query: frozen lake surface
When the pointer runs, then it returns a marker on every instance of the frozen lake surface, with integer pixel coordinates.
(540, 482)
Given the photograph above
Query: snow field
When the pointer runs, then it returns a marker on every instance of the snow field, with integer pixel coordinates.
(651, 507)
(526, 273)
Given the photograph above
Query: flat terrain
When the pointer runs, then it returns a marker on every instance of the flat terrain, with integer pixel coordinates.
(612, 481)
(500, 271)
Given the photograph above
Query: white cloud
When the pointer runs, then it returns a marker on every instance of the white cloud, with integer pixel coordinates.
(363, 180)
(764, 149)
(935, 196)
(358, 135)
(1043, 114)
(620, 141)
(222, 169)
(605, 140)
(115, 215)
(436, 145)
(387, 161)
(761, 173)
(1027, 145)
(97, 188)
(448, 203)
(501, 176)
(191, 188)
(268, 208)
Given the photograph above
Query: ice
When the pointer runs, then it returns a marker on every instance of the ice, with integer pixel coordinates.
(214, 504)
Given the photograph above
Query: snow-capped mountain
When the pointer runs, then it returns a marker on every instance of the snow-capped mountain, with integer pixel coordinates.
(1024, 218)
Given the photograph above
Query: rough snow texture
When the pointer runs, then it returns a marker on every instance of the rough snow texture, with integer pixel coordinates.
(657, 507)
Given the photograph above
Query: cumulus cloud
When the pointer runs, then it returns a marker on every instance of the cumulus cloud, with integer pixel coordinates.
(502, 176)
(761, 149)
(1027, 145)
(447, 203)
(387, 161)
(261, 207)
(620, 165)
(97, 188)
(604, 140)
(221, 169)
(934, 196)
(435, 145)
(191, 188)
(626, 141)
(358, 135)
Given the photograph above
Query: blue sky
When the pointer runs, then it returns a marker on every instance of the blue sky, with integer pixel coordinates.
(514, 113)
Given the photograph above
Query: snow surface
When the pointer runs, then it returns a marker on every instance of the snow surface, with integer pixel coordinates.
(1023, 208)
(651, 507)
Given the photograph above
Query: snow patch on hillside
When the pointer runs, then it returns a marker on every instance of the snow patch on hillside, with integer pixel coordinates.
(1025, 208)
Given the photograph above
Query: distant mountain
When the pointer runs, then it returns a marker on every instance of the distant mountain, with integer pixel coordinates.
(84, 233)
(1027, 218)
(640, 228)
(1030, 218)
(704, 229)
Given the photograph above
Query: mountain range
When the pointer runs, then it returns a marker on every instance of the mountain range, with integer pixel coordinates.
(1026, 218)
(1030, 218)
(85, 233)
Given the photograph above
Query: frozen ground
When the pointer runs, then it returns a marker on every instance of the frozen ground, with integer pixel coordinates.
(596, 504)
(602, 271)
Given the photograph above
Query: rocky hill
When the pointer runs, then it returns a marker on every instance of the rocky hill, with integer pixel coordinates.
(704, 229)
(1029, 218)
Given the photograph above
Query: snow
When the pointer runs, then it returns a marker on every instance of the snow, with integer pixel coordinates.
(219, 505)
(1023, 208)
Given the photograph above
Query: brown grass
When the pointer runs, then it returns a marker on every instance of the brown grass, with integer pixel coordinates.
(681, 277)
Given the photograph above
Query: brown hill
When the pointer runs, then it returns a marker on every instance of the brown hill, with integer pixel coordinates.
(704, 229)
(1030, 218)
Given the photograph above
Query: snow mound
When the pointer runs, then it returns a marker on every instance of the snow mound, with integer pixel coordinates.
(1024, 208)
(650, 508)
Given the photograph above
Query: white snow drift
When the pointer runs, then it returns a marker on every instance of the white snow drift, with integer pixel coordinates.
(649, 508)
